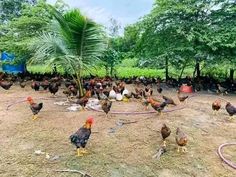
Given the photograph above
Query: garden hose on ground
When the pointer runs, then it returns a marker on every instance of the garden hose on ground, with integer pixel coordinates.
(228, 162)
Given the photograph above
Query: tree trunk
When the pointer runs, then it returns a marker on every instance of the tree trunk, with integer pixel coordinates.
(107, 70)
(182, 71)
(79, 84)
(231, 74)
(112, 69)
(167, 69)
(197, 69)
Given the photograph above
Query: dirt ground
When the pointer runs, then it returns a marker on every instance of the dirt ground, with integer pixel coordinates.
(115, 151)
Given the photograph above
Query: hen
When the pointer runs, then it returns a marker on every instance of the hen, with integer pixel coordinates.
(82, 101)
(165, 132)
(181, 98)
(181, 140)
(35, 108)
(169, 101)
(5, 84)
(81, 137)
(53, 88)
(230, 109)
(216, 105)
(106, 106)
(35, 85)
(221, 89)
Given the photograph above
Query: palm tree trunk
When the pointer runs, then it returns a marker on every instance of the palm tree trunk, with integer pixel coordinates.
(167, 69)
(79, 84)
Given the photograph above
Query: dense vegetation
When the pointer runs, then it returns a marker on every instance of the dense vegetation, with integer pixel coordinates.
(178, 38)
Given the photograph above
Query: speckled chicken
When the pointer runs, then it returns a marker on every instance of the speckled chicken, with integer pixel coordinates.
(106, 106)
(181, 140)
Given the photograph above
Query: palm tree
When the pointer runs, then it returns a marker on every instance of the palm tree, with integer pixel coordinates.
(75, 43)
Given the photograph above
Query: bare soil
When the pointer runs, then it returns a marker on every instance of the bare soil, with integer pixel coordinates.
(115, 151)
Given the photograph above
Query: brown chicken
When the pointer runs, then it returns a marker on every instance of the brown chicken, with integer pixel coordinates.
(165, 132)
(5, 84)
(181, 140)
(230, 109)
(181, 98)
(35, 85)
(157, 105)
(216, 105)
(35, 108)
(81, 137)
(82, 101)
(168, 101)
(106, 106)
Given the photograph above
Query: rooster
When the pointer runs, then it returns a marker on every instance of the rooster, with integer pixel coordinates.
(165, 132)
(216, 105)
(181, 140)
(157, 105)
(35, 108)
(81, 137)
(230, 109)
(106, 106)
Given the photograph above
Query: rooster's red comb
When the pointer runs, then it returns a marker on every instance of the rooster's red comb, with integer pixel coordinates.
(29, 98)
(90, 120)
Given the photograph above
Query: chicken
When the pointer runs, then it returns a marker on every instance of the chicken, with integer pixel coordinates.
(106, 106)
(35, 108)
(35, 85)
(81, 137)
(216, 105)
(181, 98)
(169, 101)
(165, 132)
(157, 105)
(159, 89)
(82, 101)
(53, 88)
(181, 140)
(230, 109)
(73, 90)
(221, 89)
(44, 84)
(148, 92)
(22, 84)
(5, 84)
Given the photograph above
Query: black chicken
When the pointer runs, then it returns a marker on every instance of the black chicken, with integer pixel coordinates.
(230, 109)
(53, 88)
(81, 137)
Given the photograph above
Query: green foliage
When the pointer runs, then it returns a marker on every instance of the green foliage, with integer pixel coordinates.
(18, 32)
(12, 9)
(75, 44)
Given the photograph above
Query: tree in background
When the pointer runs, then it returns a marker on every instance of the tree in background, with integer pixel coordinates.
(75, 44)
(112, 55)
(10, 9)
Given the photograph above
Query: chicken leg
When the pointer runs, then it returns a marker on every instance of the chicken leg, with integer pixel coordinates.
(34, 117)
(79, 153)
(164, 143)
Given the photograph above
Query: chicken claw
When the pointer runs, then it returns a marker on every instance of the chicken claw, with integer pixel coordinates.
(178, 149)
(84, 151)
(184, 149)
